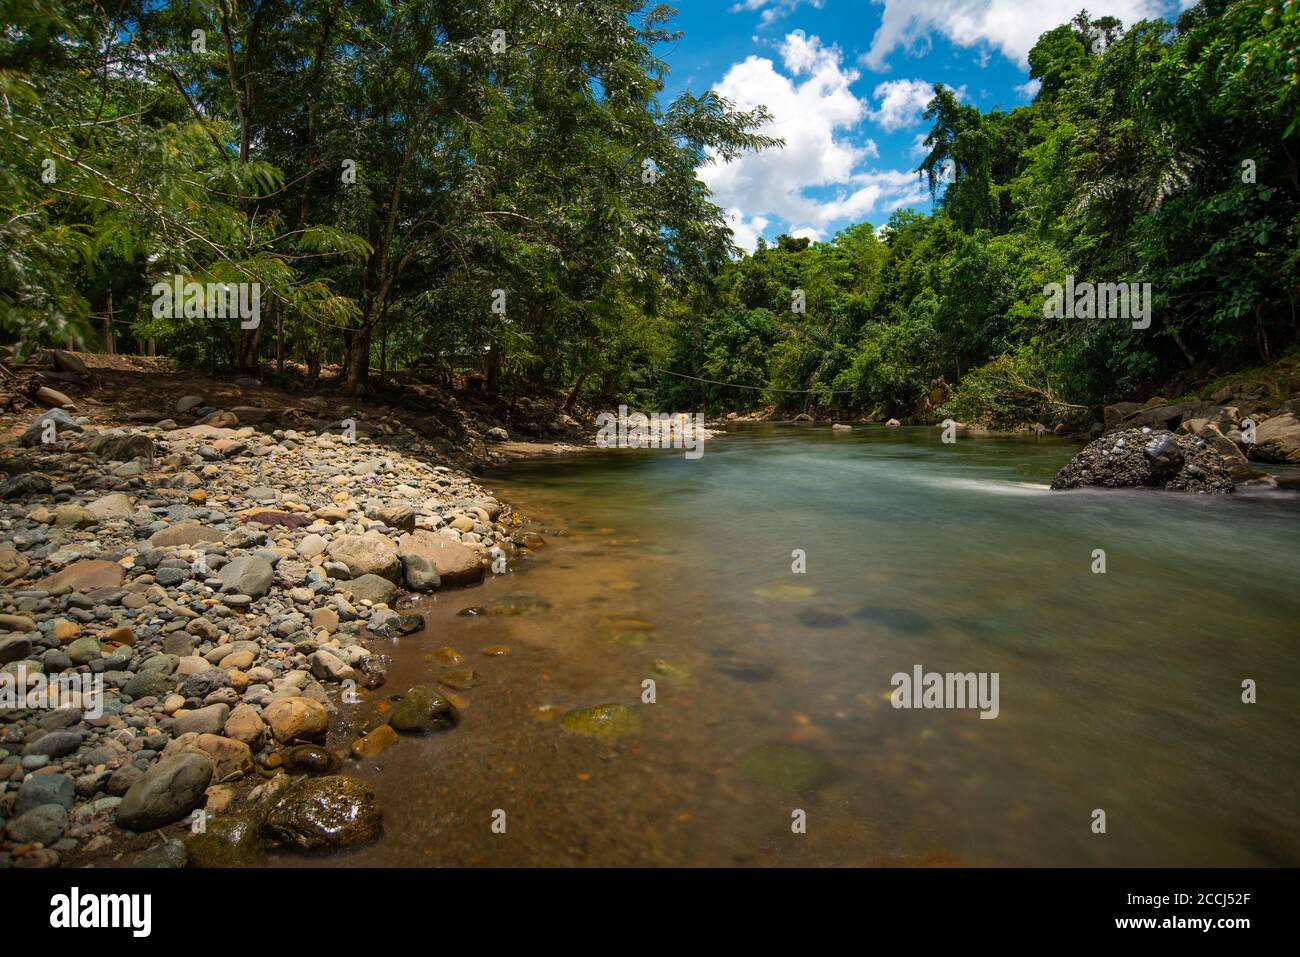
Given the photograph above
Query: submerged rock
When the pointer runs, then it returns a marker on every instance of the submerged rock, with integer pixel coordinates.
(226, 842)
(168, 854)
(815, 618)
(313, 813)
(374, 742)
(786, 766)
(424, 710)
(310, 759)
(605, 720)
(1146, 458)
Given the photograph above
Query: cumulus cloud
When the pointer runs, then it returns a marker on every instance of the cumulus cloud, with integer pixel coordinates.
(745, 232)
(817, 114)
(903, 101)
(1010, 26)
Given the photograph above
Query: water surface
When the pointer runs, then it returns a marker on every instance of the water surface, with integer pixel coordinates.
(1118, 691)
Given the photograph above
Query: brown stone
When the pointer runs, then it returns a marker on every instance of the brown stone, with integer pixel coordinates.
(372, 744)
(85, 575)
(455, 563)
(295, 718)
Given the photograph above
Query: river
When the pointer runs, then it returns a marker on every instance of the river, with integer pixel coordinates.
(773, 740)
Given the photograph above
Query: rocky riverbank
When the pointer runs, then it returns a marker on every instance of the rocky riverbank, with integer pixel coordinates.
(224, 576)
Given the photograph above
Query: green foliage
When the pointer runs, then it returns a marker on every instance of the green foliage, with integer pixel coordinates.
(380, 167)
(1130, 166)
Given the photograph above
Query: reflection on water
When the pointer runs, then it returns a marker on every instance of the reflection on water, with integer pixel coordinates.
(1119, 691)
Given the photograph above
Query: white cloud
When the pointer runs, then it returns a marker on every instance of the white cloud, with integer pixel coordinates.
(903, 101)
(1029, 89)
(773, 10)
(817, 114)
(1010, 26)
(813, 235)
(745, 232)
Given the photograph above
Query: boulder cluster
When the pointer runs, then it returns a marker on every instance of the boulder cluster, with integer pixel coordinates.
(1193, 446)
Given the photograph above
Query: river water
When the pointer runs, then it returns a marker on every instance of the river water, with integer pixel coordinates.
(1118, 692)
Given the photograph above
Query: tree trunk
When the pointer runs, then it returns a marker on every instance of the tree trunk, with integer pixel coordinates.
(1182, 347)
(356, 363)
(573, 393)
(109, 345)
(494, 369)
(279, 340)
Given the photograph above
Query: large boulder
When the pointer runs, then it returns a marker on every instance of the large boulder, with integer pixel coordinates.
(454, 563)
(333, 811)
(1146, 458)
(13, 565)
(372, 588)
(1161, 415)
(168, 791)
(44, 824)
(209, 720)
(1277, 439)
(1234, 460)
(25, 485)
(370, 554)
(69, 362)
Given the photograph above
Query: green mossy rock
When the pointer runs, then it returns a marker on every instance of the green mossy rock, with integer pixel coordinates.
(603, 721)
(227, 842)
(424, 710)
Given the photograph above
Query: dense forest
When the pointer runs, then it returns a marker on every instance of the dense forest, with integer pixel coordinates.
(428, 187)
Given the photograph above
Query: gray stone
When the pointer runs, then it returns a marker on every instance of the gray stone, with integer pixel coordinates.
(419, 573)
(44, 825)
(168, 791)
(41, 789)
(55, 744)
(247, 575)
(168, 854)
(14, 649)
(209, 720)
(372, 588)
(203, 683)
(149, 684)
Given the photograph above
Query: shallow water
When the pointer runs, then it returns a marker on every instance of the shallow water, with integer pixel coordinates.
(1118, 691)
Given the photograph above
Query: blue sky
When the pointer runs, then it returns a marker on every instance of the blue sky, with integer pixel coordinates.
(847, 81)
